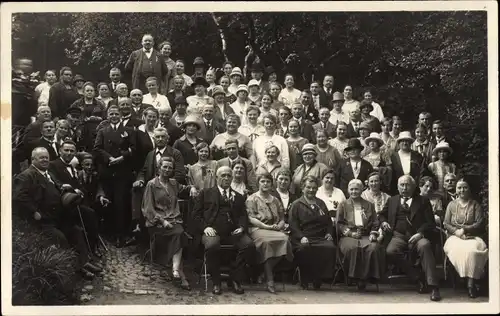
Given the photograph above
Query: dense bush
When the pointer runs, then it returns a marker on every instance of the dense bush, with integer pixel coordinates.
(42, 273)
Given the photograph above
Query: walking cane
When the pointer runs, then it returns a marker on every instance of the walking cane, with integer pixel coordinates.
(84, 231)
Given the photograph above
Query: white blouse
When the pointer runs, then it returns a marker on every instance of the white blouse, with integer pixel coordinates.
(261, 143)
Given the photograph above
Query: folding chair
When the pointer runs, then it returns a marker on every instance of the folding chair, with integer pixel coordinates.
(339, 257)
(150, 250)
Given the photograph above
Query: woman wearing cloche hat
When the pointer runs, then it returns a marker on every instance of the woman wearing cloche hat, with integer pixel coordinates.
(443, 165)
(379, 157)
(353, 167)
(187, 143)
(236, 79)
(310, 167)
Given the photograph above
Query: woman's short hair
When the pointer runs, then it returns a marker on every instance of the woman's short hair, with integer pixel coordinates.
(320, 131)
(312, 179)
(330, 171)
(227, 62)
(396, 118)
(386, 120)
(163, 44)
(149, 79)
(252, 108)
(88, 83)
(166, 158)
(269, 95)
(224, 77)
(178, 77)
(284, 172)
(234, 117)
(271, 117)
(426, 179)
(100, 84)
(265, 175)
(285, 108)
(272, 146)
(202, 145)
(293, 120)
(84, 156)
(342, 123)
(232, 141)
(180, 61)
(152, 110)
(63, 69)
(421, 126)
(275, 84)
(374, 173)
(355, 182)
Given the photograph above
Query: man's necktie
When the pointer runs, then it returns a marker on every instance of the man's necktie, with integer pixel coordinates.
(46, 175)
(158, 156)
(405, 203)
(208, 125)
(226, 196)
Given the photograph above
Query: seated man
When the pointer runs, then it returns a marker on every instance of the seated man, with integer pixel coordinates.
(38, 197)
(409, 217)
(221, 214)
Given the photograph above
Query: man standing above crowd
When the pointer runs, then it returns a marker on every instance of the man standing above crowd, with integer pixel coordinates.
(62, 94)
(326, 94)
(144, 63)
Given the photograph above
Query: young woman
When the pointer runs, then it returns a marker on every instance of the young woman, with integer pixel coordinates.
(165, 49)
(442, 166)
(427, 186)
(187, 143)
(252, 129)
(228, 96)
(274, 90)
(422, 144)
(377, 109)
(366, 108)
(78, 81)
(341, 141)
(389, 141)
(271, 165)
(180, 113)
(295, 143)
(284, 116)
(240, 183)
(178, 89)
(266, 106)
(200, 97)
(241, 104)
(349, 103)
(227, 67)
(397, 127)
(289, 94)
(202, 174)
(179, 71)
(333, 197)
(254, 96)
(380, 159)
(219, 143)
(327, 154)
(338, 115)
(236, 80)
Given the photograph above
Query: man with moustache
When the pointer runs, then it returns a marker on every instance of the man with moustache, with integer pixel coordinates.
(209, 127)
(144, 63)
(115, 75)
(138, 106)
(46, 141)
(326, 94)
(174, 132)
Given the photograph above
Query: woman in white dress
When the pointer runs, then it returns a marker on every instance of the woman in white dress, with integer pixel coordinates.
(332, 196)
(270, 138)
(289, 95)
(464, 222)
(252, 129)
(241, 104)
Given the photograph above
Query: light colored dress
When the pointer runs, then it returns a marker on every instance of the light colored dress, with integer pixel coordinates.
(333, 200)
(158, 101)
(240, 109)
(350, 106)
(269, 243)
(336, 117)
(329, 156)
(377, 111)
(196, 103)
(288, 98)
(43, 90)
(252, 132)
(262, 142)
(468, 256)
(317, 170)
(340, 145)
(203, 176)
(440, 170)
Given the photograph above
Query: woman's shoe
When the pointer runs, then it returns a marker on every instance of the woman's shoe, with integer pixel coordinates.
(270, 288)
(472, 291)
(361, 285)
(176, 275)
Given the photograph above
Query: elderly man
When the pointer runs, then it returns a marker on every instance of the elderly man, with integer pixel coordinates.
(325, 124)
(62, 94)
(326, 93)
(209, 127)
(33, 130)
(450, 183)
(354, 124)
(38, 197)
(128, 119)
(46, 141)
(410, 219)
(138, 106)
(174, 132)
(115, 75)
(221, 215)
(232, 152)
(144, 63)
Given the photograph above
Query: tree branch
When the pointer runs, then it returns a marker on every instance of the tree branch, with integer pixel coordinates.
(221, 34)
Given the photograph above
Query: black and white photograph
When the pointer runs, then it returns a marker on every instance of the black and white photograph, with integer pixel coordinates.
(249, 158)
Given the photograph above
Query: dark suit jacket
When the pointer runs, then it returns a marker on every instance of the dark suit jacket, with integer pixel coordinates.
(351, 132)
(416, 169)
(307, 130)
(133, 66)
(110, 143)
(138, 115)
(292, 196)
(331, 130)
(60, 99)
(325, 100)
(91, 190)
(218, 115)
(144, 146)
(32, 132)
(134, 122)
(42, 142)
(111, 90)
(208, 135)
(311, 114)
(421, 216)
(251, 177)
(206, 208)
(57, 168)
(149, 168)
(171, 98)
(344, 173)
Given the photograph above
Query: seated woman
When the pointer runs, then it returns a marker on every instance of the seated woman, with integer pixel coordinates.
(359, 226)
(252, 129)
(464, 222)
(163, 217)
(295, 143)
(271, 165)
(282, 193)
(333, 197)
(327, 154)
(219, 143)
(428, 187)
(202, 174)
(266, 216)
(239, 183)
(380, 159)
(311, 231)
(310, 167)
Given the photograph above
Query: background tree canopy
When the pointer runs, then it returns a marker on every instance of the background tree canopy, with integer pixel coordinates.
(415, 61)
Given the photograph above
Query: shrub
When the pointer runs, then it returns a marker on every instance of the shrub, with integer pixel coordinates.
(42, 273)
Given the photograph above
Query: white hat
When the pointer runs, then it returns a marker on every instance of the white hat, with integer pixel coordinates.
(374, 137)
(253, 82)
(236, 71)
(242, 87)
(442, 146)
(405, 136)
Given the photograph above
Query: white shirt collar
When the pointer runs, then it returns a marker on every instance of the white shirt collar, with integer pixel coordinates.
(221, 190)
(150, 50)
(161, 150)
(408, 202)
(43, 173)
(207, 121)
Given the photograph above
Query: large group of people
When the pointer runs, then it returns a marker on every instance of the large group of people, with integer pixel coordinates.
(312, 177)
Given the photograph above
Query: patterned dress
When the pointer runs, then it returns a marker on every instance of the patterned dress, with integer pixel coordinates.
(439, 169)
(340, 145)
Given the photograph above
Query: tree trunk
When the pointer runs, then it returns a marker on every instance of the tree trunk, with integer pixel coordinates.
(222, 36)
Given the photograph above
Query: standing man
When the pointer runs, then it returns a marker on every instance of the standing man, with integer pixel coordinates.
(115, 75)
(221, 215)
(62, 94)
(326, 94)
(325, 124)
(209, 127)
(257, 71)
(137, 106)
(46, 141)
(144, 63)
(114, 149)
(318, 100)
(406, 161)
(410, 219)
(306, 126)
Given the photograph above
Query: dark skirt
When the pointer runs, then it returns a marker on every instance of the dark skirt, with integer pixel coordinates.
(363, 259)
(166, 242)
(316, 260)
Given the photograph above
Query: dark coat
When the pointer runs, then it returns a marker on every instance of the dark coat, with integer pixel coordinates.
(208, 135)
(42, 142)
(421, 216)
(60, 99)
(306, 222)
(417, 169)
(149, 168)
(138, 115)
(331, 130)
(134, 66)
(345, 174)
(32, 132)
(174, 132)
(91, 189)
(351, 132)
(307, 130)
(186, 149)
(218, 115)
(58, 169)
(206, 208)
(325, 99)
(144, 146)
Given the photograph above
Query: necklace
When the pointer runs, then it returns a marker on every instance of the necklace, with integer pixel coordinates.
(461, 206)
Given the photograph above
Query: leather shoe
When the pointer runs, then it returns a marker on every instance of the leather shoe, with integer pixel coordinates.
(361, 285)
(237, 288)
(216, 289)
(271, 289)
(435, 295)
(317, 285)
(92, 268)
(472, 292)
(422, 287)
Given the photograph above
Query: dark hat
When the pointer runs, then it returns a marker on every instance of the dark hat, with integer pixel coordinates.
(257, 67)
(180, 100)
(200, 81)
(353, 144)
(74, 111)
(270, 70)
(364, 104)
(70, 200)
(198, 61)
(78, 78)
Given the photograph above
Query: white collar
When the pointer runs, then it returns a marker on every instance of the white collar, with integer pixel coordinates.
(207, 121)
(408, 202)
(43, 173)
(161, 150)
(150, 50)
(221, 190)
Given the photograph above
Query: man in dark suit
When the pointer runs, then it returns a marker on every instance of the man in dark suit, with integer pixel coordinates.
(450, 194)
(354, 123)
(47, 141)
(319, 98)
(353, 167)
(33, 130)
(221, 215)
(115, 75)
(325, 124)
(174, 132)
(406, 161)
(232, 150)
(137, 106)
(257, 72)
(114, 149)
(439, 136)
(326, 93)
(209, 128)
(306, 126)
(127, 117)
(410, 219)
(144, 63)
